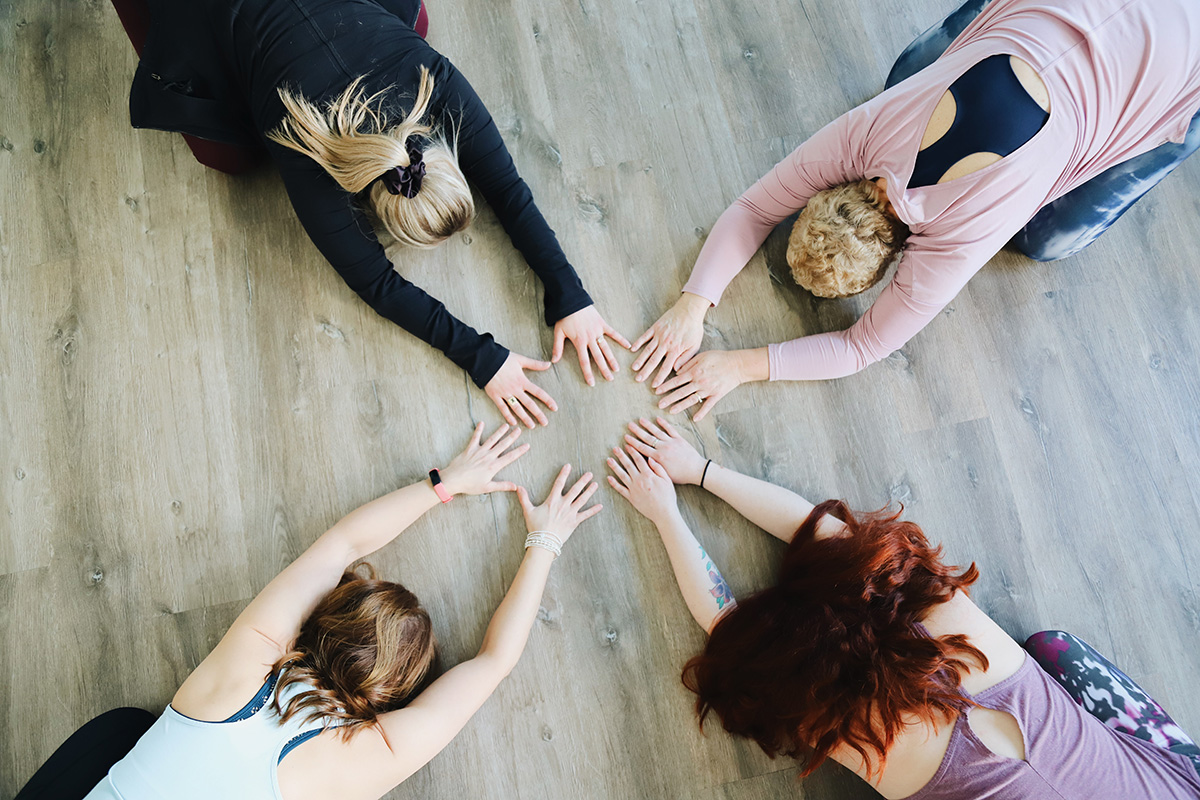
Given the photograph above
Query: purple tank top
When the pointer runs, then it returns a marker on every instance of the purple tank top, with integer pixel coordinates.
(1069, 754)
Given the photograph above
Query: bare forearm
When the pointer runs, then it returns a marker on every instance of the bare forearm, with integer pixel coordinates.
(700, 582)
(370, 527)
(509, 629)
(776, 510)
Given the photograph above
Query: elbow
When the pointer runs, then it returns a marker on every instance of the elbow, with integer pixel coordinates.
(864, 353)
(499, 660)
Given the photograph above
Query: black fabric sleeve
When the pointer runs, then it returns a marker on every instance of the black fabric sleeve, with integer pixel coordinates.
(344, 236)
(489, 167)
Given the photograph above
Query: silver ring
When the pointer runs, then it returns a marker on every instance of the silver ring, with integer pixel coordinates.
(512, 401)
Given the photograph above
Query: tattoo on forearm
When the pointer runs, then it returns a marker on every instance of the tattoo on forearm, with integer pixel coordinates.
(720, 589)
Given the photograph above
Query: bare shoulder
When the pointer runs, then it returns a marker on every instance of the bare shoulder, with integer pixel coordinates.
(961, 615)
(228, 677)
(329, 765)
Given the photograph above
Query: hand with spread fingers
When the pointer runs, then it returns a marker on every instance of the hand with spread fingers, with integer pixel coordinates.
(588, 331)
(709, 376)
(563, 509)
(644, 483)
(672, 340)
(472, 471)
(659, 441)
(515, 395)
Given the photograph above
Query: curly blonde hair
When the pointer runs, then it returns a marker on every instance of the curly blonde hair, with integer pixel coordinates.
(353, 140)
(844, 240)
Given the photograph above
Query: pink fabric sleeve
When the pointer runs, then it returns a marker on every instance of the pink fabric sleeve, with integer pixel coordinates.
(894, 318)
(926, 280)
(825, 160)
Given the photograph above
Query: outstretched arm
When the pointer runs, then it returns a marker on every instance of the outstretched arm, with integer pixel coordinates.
(344, 236)
(646, 485)
(776, 510)
(826, 159)
(489, 167)
(266, 628)
(418, 732)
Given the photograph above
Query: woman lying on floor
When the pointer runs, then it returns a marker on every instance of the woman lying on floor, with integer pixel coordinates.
(328, 662)
(359, 112)
(868, 651)
(1061, 106)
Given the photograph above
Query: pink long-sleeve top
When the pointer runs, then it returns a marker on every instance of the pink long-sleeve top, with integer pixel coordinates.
(1123, 78)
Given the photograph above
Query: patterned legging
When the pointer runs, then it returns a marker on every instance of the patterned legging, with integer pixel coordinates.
(1106, 693)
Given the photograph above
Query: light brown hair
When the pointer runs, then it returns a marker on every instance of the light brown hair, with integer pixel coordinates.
(366, 649)
(353, 141)
(844, 240)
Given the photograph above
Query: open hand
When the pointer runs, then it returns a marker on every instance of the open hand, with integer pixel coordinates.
(645, 484)
(663, 444)
(587, 331)
(673, 339)
(561, 511)
(515, 395)
(709, 376)
(472, 470)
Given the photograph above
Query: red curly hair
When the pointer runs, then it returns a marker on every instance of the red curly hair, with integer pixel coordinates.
(833, 655)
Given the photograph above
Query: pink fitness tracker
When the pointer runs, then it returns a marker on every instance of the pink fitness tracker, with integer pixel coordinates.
(436, 479)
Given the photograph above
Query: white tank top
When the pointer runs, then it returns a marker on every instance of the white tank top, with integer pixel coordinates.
(185, 759)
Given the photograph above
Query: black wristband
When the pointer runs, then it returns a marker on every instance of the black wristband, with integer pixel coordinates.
(704, 474)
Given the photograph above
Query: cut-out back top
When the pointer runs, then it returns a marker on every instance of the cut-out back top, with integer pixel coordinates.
(1123, 77)
(993, 113)
(1069, 754)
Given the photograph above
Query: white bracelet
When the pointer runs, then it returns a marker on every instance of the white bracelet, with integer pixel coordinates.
(545, 540)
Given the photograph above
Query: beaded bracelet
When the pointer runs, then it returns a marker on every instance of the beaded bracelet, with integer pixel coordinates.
(545, 540)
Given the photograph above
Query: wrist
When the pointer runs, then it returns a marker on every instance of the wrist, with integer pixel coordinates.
(667, 517)
(539, 555)
(438, 482)
(544, 540)
(753, 365)
(695, 473)
(694, 304)
(706, 474)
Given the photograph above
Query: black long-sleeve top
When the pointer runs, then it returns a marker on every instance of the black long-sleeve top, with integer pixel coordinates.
(316, 48)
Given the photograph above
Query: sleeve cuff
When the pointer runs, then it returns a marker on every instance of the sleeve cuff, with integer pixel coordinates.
(774, 361)
(488, 361)
(698, 288)
(567, 306)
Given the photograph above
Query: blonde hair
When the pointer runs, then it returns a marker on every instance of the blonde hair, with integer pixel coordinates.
(366, 649)
(351, 141)
(844, 240)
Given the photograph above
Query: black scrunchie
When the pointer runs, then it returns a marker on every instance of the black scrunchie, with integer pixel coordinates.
(406, 180)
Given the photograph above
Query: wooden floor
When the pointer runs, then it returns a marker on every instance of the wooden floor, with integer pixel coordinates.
(189, 395)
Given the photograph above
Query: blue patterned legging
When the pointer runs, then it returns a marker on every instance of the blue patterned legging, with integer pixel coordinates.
(1106, 693)
(1075, 220)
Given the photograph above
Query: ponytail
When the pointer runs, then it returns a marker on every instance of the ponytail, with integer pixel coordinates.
(352, 141)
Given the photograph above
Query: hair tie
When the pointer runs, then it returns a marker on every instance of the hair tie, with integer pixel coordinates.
(406, 180)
